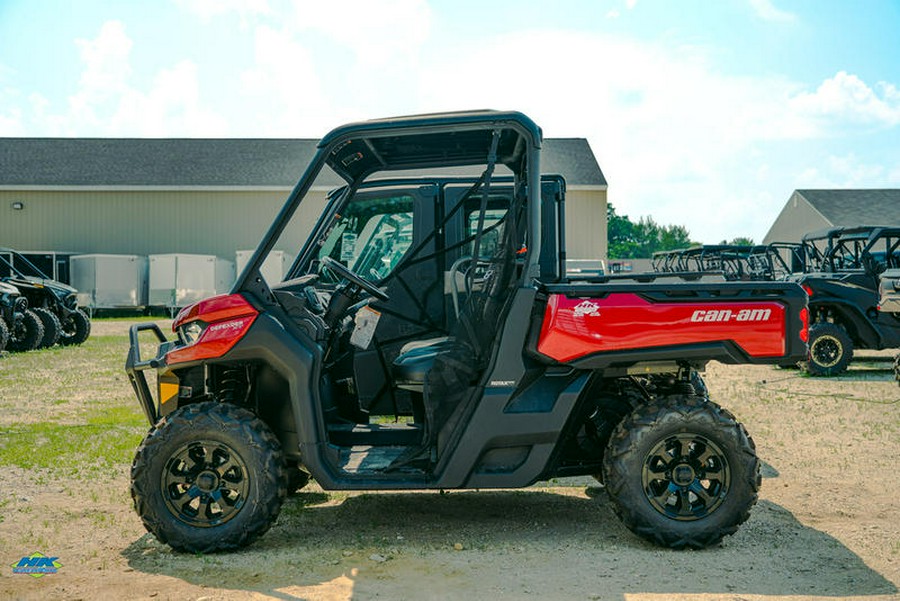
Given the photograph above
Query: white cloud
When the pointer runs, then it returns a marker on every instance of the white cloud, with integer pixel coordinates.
(893, 177)
(106, 64)
(171, 106)
(11, 123)
(108, 103)
(209, 9)
(283, 87)
(377, 32)
(846, 98)
(766, 10)
(844, 171)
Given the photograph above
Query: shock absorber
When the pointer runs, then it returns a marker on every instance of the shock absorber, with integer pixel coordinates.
(232, 385)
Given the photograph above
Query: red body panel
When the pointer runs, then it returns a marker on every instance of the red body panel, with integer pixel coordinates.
(577, 327)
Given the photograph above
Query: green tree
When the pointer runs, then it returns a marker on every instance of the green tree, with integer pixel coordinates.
(740, 241)
(628, 240)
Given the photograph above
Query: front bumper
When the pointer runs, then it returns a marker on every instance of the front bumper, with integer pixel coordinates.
(135, 367)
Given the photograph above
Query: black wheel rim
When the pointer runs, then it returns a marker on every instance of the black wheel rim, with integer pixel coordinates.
(205, 483)
(686, 477)
(826, 351)
(67, 327)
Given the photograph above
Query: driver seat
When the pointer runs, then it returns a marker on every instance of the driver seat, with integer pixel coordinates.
(416, 358)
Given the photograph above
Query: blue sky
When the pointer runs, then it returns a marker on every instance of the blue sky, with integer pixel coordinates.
(705, 114)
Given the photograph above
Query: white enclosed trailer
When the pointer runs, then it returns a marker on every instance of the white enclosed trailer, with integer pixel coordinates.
(109, 281)
(274, 268)
(177, 280)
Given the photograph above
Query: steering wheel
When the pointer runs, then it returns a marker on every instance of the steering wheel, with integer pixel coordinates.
(354, 279)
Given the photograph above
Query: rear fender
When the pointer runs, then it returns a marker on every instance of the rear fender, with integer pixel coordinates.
(848, 315)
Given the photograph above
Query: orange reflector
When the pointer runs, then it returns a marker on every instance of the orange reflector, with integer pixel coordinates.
(167, 392)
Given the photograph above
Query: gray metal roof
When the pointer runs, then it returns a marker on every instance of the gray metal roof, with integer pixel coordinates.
(211, 162)
(855, 207)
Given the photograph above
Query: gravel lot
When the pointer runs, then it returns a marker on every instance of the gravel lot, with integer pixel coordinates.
(827, 525)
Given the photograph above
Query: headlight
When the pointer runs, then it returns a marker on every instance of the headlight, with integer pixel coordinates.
(191, 331)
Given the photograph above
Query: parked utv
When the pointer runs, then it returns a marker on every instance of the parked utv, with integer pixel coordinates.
(845, 267)
(889, 303)
(20, 329)
(9, 297)
(427, 337)
(53, 302)
(765, 262)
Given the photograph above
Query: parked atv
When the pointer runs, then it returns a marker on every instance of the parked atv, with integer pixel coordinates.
(20, 328)
(427, 337)
(846, 266)
(53, 302)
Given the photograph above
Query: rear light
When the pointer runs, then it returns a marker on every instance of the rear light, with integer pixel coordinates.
(211, 327)
(804, 324)
(807, 289)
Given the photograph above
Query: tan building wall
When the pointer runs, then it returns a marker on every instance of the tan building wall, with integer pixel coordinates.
(586, 223)
(144, 222)
(209, 221)
(796, 219)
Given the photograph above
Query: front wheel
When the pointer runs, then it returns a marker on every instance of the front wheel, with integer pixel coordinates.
(830, 350)
(52, 327)
(682, 472)
(26, 334)
(76, 327)
(210, 477)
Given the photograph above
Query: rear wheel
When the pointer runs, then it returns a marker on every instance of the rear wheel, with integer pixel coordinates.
(26, 334)
(209, 477)
(682, 472)
(52, 327)
(830, 350)
(76, 327)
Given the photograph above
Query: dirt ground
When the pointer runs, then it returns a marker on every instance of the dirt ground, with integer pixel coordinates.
(827, 525)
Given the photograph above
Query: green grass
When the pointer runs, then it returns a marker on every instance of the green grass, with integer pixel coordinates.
(70, 410)
(72, 449)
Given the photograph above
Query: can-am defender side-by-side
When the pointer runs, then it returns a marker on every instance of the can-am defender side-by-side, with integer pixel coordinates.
(427, 337)
(54, 303)
(845, 267)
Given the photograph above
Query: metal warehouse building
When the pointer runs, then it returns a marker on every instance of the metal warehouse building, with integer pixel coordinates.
(812, 210)
(206, 196)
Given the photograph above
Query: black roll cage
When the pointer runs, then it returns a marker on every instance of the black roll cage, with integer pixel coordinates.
(358, 150)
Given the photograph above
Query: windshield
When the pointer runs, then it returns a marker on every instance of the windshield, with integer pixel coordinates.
(371, 235)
